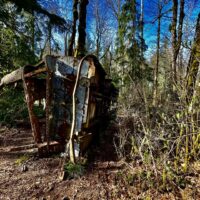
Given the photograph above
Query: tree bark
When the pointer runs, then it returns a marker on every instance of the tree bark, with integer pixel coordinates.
(98, 31)
(49, 37)
(155, 84)
(142, 28)
(174, 36)
(82, 27)
(66, 43)
(180, 26)
(33, 32)
(194, 62)
(73, 35)
(176, 40)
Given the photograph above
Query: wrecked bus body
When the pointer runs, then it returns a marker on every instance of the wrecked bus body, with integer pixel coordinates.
(49, 85)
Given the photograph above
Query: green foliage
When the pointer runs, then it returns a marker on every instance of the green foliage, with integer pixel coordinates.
(130, 48)
(23, 33)
(127, 42)
(12, 106)
(73, 170)
(7, 50)
(22, 159)
(16, 36)
(31, 6)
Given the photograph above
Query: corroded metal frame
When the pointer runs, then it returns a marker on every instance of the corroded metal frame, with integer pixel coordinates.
(93, 97)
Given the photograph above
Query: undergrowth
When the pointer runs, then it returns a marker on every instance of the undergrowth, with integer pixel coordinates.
(12, 105)
(22, 159)
(73, 170)
(162, 142)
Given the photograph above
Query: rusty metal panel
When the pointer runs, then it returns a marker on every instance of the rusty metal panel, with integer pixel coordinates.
(56, 86)
(29, 95)
(62, 69)
(12, 77)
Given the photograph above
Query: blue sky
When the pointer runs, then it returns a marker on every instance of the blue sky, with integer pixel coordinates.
(192, 8)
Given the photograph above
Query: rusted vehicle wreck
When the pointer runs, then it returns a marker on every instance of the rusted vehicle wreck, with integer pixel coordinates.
(50, 85)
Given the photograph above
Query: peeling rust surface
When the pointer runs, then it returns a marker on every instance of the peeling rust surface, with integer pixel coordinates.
(49, 85)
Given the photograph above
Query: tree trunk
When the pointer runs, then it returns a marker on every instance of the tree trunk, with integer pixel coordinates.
(82, 27)
(49, 38)
(194, 62)
(73, 35)
(98, 31)
(180, 26)
(174, 36)
(155, 84)
(142, 28)
(66, 43)
(33, 32)
(176, 40)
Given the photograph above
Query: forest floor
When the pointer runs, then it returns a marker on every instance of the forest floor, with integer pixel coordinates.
(25, 176)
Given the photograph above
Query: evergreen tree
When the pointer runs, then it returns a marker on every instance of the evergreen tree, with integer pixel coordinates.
(17, 38)
(129, 44)
(24, 32)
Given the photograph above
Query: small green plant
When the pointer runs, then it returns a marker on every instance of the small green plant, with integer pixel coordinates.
(73, 170)
(22, 159)
(12, 105)
(130, 178)
(164, 177)
(148, 197)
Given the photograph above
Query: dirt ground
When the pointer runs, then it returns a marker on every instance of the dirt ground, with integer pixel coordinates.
(23, 175)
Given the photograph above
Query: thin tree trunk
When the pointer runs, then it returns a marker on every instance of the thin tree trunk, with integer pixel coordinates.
(73, 35)
(82, 27)
(49, 37)
(33, 32)
(194, 62)
(66, 43)
(155, 84)
(180, 26)
(98, 35)
(74, 110)
(142, 28)
(176, 40)
(174, 36)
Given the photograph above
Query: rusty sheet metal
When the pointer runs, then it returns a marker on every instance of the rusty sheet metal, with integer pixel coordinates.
(12, 77)
(16, 75)
(52, 82)
(29, 95)
(62, 69)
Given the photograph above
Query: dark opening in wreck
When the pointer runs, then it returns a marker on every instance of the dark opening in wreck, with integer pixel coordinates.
(49, 85)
